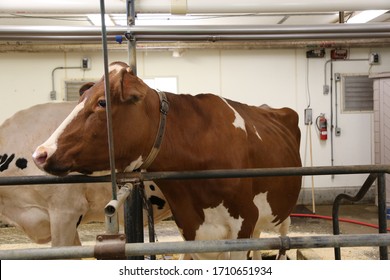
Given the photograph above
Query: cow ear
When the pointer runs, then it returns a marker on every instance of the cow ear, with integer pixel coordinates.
(85, 87)
(133, 88)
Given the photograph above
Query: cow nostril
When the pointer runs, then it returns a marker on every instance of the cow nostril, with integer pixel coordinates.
(40, 156)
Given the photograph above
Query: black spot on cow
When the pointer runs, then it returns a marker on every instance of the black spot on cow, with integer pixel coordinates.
(152, 187)
(5, 161)
(157, 201)
(79, 221)
(21, 163)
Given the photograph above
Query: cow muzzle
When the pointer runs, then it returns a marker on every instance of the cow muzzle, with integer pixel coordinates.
(40, 157)
(46, 161)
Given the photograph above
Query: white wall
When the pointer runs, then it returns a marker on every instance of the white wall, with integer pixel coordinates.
(276, 77)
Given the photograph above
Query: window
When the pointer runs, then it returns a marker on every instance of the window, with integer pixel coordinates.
(358, 93)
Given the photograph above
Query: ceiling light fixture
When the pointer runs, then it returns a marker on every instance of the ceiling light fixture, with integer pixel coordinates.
(366, 16)
(96, 20)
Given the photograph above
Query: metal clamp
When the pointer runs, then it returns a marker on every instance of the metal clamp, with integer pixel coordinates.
(110, 247)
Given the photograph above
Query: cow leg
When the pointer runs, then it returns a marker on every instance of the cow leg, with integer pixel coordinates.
(238, 255)
(256, 255)
(64, 231)
(77, 241)
(283, 230)
(211, 256)
(219, 224)
(35, 222)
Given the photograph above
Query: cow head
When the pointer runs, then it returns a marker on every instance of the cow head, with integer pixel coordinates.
(80, 143)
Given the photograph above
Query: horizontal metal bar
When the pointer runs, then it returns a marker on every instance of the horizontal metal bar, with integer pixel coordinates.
(249, 37)
(192, 32)
(194, 29)
(203, 174)
(43, 180)
(261, 172)
(198, 37)
(139, 249)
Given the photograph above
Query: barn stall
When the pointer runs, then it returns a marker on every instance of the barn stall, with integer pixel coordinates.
(319, 66)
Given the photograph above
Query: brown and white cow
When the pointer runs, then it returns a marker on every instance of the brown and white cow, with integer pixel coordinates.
(50, 212)
(202, 132)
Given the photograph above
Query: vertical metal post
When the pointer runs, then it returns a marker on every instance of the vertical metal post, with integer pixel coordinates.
(108, 100)
(131, 43)
(134, 226)
(383, 252)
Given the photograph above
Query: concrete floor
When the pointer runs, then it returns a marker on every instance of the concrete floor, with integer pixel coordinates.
(359, 213)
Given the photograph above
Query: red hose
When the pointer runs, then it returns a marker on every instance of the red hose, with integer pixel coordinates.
(340, 219)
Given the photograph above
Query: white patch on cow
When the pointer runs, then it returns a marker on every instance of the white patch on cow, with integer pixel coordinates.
(115, 67)
(218, 224)
(100, 173)
(134, 164)
(238, 120)
(257, 133)
(51, 144)
(266, 217)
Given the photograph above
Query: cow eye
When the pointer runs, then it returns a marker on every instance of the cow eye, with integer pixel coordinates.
(102, 103)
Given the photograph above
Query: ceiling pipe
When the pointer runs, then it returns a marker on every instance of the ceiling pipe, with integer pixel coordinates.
(164, 46)
(32, 31)
(190, 6)
(194, 33)
(204, 38)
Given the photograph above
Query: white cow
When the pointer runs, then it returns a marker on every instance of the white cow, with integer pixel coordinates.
(50, 212)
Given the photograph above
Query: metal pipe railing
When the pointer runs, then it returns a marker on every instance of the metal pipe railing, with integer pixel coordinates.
(140, 249)
(202, 174)
(373, 170)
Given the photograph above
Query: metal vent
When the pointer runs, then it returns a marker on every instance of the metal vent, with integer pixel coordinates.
(72, 90)
(358, 93)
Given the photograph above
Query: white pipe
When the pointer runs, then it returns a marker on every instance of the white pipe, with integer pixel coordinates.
(191, 6)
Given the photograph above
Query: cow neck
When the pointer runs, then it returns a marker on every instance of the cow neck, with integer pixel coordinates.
(164, 108)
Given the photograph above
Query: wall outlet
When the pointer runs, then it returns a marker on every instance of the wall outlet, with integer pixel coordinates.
(86, 63)
(373, 59)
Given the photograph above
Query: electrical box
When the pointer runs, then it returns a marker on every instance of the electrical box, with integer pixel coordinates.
(308, 116)
(86, 63)
(373, 59)
(317, 53)
(339, 54)
(53, 95)
(325, 89)
(338, 131)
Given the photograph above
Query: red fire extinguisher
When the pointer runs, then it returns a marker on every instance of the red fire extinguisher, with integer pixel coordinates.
(322, 126)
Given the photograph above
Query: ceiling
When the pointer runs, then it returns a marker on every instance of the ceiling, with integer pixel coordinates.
(21, 20)
(187, 12)
(304, 18)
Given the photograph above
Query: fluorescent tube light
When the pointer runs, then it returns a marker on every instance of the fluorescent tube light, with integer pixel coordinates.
(96, 20)
(366, 16)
